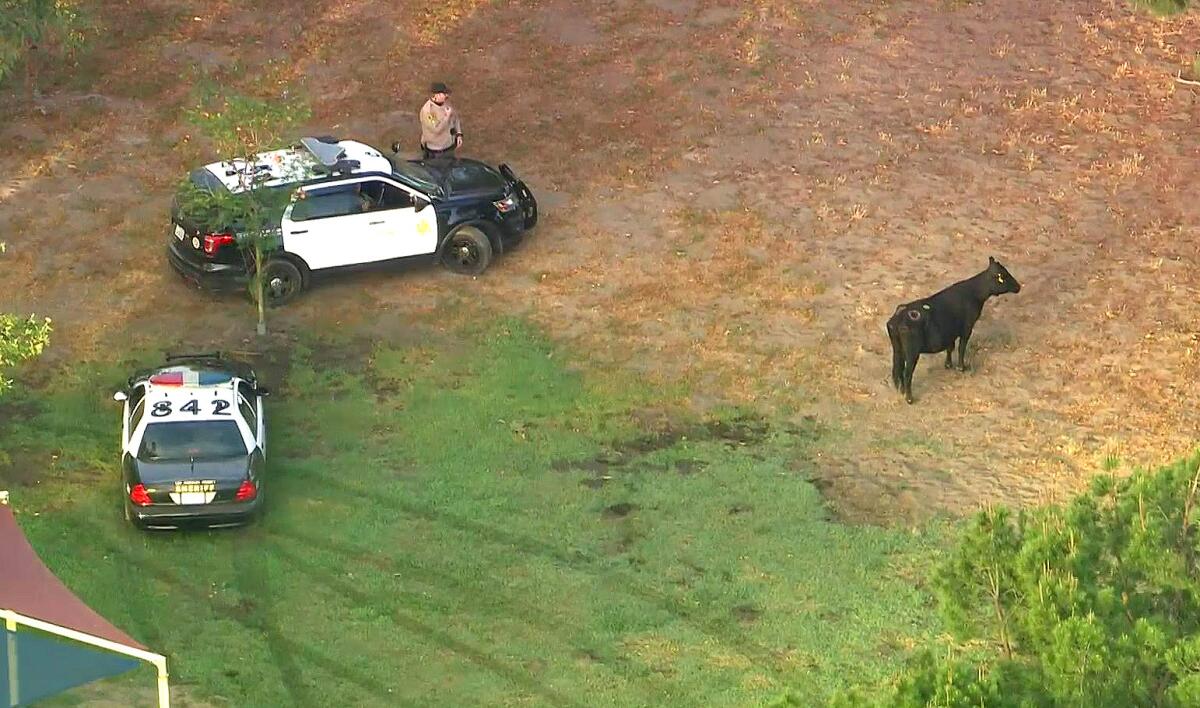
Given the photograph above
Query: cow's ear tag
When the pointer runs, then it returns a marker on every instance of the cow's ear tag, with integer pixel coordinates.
(925, 306)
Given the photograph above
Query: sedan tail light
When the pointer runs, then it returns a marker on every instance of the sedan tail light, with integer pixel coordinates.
(139, 496)
(213, 242)
(246, 492)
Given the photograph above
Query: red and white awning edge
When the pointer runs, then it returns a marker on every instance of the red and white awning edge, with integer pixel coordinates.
(14, 619)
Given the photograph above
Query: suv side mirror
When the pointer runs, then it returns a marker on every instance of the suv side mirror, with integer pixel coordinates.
(263, 391)
(120, 396)
(420, 203)
(395, 148)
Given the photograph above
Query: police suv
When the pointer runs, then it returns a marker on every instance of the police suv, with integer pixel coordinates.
(352, 206)
(193, 443)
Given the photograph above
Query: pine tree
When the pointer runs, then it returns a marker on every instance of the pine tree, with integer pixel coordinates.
(1094, 604)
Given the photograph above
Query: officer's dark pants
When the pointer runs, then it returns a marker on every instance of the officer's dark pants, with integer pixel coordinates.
(430, 154)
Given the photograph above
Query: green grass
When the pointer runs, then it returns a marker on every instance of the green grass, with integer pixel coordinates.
(1163, 7)
(483, 524)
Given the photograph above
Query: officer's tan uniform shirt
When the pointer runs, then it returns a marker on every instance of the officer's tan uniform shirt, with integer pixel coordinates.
(438, 126)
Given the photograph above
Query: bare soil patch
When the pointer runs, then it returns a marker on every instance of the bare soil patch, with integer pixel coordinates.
(740, 195)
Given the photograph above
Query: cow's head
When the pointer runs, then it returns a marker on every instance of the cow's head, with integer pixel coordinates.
(999, 280)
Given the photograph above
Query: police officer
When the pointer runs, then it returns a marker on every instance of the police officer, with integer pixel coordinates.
(441, 130)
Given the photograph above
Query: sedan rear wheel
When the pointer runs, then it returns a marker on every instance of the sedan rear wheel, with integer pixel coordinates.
(468, 251)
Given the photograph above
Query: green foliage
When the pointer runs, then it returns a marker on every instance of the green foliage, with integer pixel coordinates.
(240, 128)
(1164, 7)
(242, 213)
(1093, 604)
(29, 25)
(976, 585)
(21, 338)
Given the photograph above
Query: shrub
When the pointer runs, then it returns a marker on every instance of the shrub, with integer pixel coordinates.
(52, 28)
(1093, 604)
(21, 338)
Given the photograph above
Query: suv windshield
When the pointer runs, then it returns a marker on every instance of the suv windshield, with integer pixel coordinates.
(417, 176)
(188, 440)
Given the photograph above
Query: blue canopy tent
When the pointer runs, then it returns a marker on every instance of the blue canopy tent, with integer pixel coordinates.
(53, 641)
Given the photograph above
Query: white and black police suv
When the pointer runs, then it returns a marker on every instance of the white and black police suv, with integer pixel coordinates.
(354, 207)
(193, 443)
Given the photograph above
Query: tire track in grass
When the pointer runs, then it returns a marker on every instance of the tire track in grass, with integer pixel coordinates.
(477, 656)
(149, 564)
(390, 564)
(251, 581)
(758, 654)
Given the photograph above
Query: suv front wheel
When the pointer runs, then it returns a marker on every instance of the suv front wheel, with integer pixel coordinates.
(282, 281)
(468, 251)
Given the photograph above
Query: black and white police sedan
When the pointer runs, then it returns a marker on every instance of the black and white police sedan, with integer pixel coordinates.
(354, 207)
(193, 444)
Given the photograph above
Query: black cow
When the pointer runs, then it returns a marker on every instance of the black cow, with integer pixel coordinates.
(931, 325)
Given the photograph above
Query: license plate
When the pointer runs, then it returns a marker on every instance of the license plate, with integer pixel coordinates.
(180, 233)
(201, 492)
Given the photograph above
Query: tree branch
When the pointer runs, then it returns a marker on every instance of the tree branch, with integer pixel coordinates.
(993, 577)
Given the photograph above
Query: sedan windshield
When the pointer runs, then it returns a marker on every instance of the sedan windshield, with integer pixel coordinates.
(191, 441)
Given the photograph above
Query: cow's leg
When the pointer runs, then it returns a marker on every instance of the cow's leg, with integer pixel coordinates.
(911, 355)
(949, 358)
(897, 361)
(962, 350)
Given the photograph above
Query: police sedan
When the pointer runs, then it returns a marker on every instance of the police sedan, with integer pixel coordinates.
(193, 443)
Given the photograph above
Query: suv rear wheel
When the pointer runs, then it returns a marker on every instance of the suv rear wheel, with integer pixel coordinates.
(282, 281)
(468, 251)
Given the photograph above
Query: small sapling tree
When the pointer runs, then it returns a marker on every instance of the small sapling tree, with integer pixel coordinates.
(241, 128)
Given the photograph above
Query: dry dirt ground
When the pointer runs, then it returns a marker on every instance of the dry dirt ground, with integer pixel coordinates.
(736, 196)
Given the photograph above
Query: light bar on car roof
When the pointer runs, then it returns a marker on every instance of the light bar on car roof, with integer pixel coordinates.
(328, 154)
(189, 378)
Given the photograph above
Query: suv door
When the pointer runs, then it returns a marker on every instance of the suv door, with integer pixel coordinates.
(403, 231)
(365, 221)
(326, 227)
